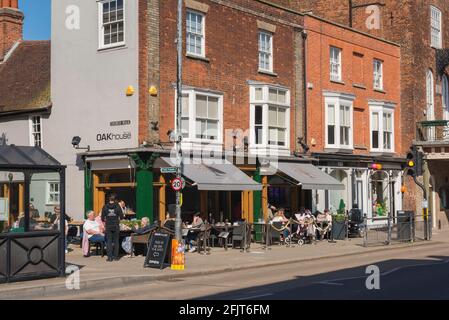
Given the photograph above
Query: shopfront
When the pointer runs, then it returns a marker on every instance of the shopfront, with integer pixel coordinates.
(375, 191)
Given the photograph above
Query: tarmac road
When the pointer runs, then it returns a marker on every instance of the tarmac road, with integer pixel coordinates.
(408, 273)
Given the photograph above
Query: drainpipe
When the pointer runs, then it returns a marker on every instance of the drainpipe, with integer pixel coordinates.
(304, 37)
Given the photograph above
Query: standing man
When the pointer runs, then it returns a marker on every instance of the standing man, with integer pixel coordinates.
(111, 214)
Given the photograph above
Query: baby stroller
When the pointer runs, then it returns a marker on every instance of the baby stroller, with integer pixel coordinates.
(305, 232)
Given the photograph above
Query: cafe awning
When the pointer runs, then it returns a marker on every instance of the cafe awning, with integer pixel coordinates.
(223, 176)
(309, 176)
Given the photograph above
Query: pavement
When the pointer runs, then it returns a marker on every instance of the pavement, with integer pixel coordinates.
(96, 273)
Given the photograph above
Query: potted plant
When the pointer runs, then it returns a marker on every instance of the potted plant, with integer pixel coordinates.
(339, 226)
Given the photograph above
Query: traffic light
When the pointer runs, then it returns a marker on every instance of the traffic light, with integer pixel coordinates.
(415, 162)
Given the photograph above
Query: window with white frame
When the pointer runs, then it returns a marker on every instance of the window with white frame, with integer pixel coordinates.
(195, 33)
(335, 64)
(339, 120)
(435, 26)
(112, 23)
(202, 116)
(382, 127)
(345, 125)
(36, 131)
(265, 51)
(270, 116)
(378, 74)
(53, 192)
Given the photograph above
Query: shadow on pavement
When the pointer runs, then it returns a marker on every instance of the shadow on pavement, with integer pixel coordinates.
(399, 279)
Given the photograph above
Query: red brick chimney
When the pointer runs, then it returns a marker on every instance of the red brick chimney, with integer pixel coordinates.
(11, 25)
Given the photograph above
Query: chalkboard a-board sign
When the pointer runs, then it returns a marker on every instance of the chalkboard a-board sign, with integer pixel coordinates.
(158, 255)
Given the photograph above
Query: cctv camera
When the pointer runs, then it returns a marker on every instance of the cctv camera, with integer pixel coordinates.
(76, 141)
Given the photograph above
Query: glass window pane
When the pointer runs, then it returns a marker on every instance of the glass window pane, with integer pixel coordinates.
(331, 134)
(273, 95)
(258, 115)
(272, 136)
(282, 96)
(212, 130)
(375, 121)
(213, 108)
(201, 106)
(185, 105)
(331, 114)
(281, 117)
(375, 138)
(258, 94)
(272, 116)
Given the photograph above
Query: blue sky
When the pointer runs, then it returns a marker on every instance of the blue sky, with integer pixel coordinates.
(37, 25)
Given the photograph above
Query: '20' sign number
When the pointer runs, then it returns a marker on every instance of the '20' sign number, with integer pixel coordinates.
(176, 184)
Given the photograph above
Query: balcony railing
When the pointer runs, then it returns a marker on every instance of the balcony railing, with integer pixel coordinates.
(433, 131)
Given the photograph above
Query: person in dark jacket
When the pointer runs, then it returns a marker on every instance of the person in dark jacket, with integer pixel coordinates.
(111, 214)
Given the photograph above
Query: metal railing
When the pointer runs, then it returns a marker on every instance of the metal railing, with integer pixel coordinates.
(432, 131)
(391, 229)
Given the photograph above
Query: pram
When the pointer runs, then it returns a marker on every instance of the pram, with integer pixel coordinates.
(305, 232)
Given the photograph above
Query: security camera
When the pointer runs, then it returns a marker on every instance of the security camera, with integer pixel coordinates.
(76, 144)
(76, 141)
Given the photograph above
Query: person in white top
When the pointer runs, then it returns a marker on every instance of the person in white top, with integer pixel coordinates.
(92, 228)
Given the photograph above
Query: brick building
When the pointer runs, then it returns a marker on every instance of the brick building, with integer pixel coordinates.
(229, 70)
(420, 28)
(354, 115)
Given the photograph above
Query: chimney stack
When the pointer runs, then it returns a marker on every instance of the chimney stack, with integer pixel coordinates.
(11, 25)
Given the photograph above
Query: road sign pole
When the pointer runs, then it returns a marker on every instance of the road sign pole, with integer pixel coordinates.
(178, 233)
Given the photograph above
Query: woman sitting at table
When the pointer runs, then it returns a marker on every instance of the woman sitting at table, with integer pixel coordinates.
(280, 217)
(192, 236)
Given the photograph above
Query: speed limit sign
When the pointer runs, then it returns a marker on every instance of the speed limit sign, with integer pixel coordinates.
(176, 184)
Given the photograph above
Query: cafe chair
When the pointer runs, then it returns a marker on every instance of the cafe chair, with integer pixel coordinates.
(99, 246)
(238, 234)
(143, 239)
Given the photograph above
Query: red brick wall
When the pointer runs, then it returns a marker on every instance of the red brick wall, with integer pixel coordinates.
(232, 53)
(321, 36)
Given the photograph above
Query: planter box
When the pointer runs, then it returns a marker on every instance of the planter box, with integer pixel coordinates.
(339, 230)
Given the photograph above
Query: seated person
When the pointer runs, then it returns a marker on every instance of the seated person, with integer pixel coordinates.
(144, 228)
(280, 217)
(192, 236)
(56, 213)
(170, 222)
(34, 213)
(93, 231)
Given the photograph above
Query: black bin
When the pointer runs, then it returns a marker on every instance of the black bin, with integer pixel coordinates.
(405, 225)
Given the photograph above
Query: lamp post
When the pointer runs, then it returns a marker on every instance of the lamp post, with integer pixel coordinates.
(178, 234)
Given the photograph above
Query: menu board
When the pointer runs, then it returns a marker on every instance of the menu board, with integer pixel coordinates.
(4, 211)
(157, 254)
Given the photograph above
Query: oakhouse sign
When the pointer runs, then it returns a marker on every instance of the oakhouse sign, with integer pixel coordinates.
(114, 136)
